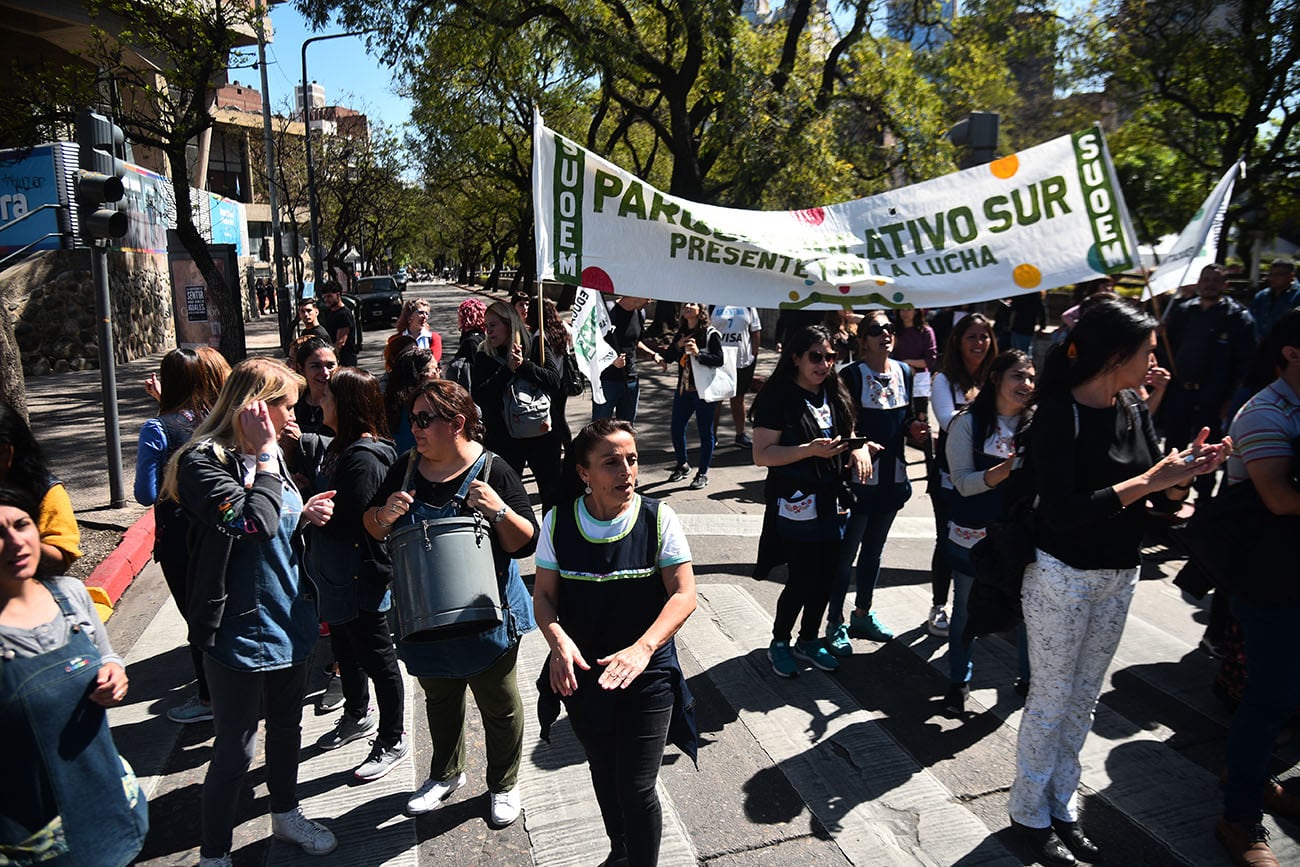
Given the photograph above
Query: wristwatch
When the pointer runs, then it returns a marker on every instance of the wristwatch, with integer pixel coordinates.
(264, 458)
(500, 515)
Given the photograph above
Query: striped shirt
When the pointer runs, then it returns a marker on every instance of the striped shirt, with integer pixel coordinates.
(1264, 428)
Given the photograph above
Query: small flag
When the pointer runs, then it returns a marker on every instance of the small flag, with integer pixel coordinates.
(590, 325)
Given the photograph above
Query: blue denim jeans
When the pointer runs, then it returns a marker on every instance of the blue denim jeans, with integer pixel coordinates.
(621, 398)
(866, 532)
(685, 405)
(1272, 693)
(959, 652)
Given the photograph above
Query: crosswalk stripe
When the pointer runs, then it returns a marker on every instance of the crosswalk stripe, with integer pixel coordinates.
(880, 805)
(560, 812)
(1172, 798)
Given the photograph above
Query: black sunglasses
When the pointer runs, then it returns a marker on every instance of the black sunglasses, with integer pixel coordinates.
(422, 420)
(819, 358)
(878, 328)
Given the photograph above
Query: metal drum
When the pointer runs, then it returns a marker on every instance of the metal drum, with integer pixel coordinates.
(444, 579)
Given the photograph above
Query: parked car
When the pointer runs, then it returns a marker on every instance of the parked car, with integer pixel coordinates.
(380, 299)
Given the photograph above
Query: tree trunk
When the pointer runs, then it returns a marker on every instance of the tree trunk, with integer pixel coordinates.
(229, 312)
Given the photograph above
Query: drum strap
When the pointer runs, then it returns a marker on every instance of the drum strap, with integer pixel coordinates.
(413, 461)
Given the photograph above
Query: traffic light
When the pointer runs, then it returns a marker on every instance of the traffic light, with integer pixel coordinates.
(99, 182)
(978, 133)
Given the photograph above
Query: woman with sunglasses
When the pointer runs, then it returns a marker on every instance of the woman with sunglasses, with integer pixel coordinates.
(970, 349)
(803, 419)
(880, 388)
(449, 474)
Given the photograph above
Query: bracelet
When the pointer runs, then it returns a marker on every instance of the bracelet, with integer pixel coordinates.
(387, 525)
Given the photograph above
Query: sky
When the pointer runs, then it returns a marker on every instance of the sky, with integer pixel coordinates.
(350, 76)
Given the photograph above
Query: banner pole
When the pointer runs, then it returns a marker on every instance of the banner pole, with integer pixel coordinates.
(541, 322)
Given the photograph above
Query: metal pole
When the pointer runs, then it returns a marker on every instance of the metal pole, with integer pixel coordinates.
(312, 205)
(272, 192)
(108, 374)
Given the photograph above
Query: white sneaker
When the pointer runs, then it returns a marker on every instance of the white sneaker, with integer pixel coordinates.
(505, 807)
(223, 861)
(294, 827)
(433, 794)
(938, 621)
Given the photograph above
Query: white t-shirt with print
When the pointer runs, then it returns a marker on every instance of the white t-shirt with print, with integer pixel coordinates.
(736, 325)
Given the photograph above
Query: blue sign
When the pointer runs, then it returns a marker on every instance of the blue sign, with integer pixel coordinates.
(27, 181)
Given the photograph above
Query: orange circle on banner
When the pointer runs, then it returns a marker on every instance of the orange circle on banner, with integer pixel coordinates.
(1005, 167)
(794, 296)
(1027, 276)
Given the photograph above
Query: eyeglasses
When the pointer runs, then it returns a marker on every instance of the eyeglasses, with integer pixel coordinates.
(819, 358)
(877, 329)
(422, 420)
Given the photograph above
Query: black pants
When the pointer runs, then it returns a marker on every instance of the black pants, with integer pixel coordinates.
(239, 700)
(364, 649)
(1186, 412)
(543, 454)
(810, 569)
(625, 747)
(940, 571)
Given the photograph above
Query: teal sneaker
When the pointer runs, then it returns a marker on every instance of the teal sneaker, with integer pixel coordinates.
(782, 659)
(815, 654)
(837, 639)
(868, 627)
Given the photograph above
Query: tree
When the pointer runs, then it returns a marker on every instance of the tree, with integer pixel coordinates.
(162, 64)
(1200, 85)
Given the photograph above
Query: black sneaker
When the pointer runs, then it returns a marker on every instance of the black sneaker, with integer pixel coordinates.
(954, 700)
(347, 730)
(744, 442)
(332, 698)
(700, 480)
(681, 472)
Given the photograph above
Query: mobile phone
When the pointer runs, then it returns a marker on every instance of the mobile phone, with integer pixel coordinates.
(856, 443)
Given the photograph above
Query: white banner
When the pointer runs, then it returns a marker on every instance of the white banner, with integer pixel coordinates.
(593, 352)
(1048, 216)
(1198, 243)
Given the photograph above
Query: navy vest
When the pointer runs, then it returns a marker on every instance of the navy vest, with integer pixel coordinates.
(610, 591)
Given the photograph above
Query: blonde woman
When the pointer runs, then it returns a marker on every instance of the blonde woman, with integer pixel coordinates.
(414, 323)
(247, 610)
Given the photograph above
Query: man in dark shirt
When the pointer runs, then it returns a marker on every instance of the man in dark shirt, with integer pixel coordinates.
(1028, 317)
(1212, 338)
(1277, 297)
(340, 324)
(619, 380)
(309, 321)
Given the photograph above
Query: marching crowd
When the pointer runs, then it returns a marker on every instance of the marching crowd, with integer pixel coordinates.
(309, 496)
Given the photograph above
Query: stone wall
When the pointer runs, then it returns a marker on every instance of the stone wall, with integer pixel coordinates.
(50, 301)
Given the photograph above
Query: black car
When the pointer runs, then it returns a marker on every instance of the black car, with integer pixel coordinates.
(380, 299)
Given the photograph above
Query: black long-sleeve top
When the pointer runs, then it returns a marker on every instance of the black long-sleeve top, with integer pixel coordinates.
(1212, 347)
(709, 342)
(490, 376)
(1080, 519)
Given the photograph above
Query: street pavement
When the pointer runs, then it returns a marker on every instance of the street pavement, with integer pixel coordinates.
(861, 767)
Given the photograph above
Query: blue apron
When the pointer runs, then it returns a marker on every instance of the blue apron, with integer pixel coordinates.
(59, 752)
(467, 655)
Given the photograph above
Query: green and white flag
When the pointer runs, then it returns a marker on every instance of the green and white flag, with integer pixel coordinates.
(1198, 245)
(592, 351)
(1048, 216)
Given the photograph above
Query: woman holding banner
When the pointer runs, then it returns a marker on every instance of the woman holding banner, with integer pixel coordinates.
(696, 342)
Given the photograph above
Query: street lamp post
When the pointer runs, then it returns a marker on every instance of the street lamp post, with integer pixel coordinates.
(312, 205)
(282, 302)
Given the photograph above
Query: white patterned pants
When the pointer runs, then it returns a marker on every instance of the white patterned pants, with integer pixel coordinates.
(1075, 618)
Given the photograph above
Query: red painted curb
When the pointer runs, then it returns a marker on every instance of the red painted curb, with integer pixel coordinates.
(132, 554)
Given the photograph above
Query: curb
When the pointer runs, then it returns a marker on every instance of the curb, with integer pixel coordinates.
(111, 577)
